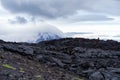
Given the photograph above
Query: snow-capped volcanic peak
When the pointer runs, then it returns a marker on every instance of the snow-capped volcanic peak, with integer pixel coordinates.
(49, 33)
(47, 36)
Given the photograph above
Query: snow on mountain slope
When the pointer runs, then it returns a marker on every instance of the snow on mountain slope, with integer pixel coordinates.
(49, 33)
(47, 36)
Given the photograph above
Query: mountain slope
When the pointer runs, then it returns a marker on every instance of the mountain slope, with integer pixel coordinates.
(91, 59)
(17, 66)
(47, 34)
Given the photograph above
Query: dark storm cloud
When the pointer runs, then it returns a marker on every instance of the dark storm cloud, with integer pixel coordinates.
(18, 19)
(44, 8)
(59, 8)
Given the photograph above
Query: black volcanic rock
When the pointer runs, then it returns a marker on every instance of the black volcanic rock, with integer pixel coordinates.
(1, 41)
(88, 58)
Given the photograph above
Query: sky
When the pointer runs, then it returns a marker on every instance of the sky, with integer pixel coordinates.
(21, 20)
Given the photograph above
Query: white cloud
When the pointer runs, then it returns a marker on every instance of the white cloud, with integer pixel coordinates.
(22, 32)
(68, 16)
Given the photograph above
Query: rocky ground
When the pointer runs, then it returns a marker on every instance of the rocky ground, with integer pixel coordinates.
(63, 59)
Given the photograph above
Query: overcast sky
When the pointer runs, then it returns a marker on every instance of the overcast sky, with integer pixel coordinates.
(21, 19)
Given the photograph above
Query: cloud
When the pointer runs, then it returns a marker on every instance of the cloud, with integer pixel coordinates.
(91, 18)
(46, 8)
(116, 36)
(18, 19)
(60, 8)
(22, 33)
